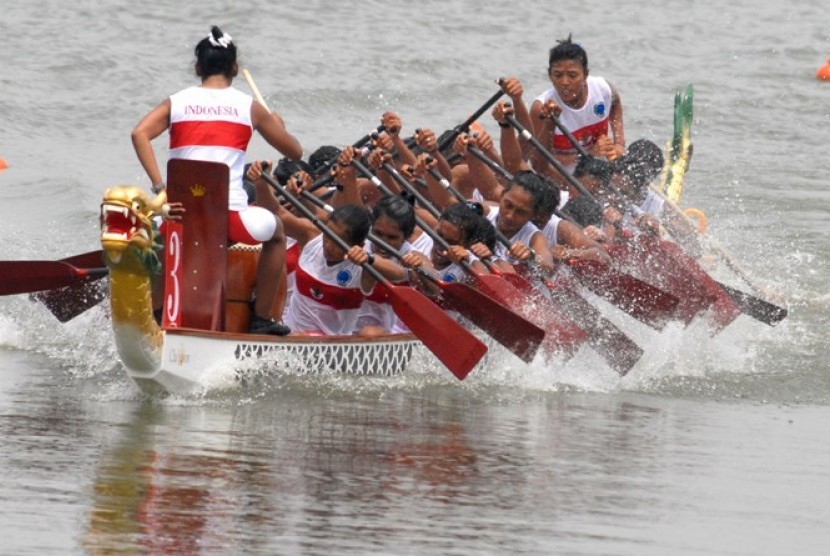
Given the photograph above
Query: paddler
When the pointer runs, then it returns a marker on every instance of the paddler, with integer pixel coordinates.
(586, 105)
(214, 122)
(330, 282)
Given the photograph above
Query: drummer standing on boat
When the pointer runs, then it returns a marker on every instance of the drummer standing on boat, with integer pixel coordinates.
(215, 122)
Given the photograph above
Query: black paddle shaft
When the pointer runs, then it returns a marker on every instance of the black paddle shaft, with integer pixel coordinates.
(326, 178)
(308, 213)
(462, 128)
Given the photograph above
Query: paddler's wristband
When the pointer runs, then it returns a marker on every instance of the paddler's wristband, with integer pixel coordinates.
(159, 187)
(503, 124)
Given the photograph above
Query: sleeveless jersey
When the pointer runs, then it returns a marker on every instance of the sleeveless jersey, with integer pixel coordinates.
(213, 125)
(292, 256)
(586, 124)
(376, 310)
(326, 298)
(525, 235)
(551, 230)
(653, 204)
(422, 244)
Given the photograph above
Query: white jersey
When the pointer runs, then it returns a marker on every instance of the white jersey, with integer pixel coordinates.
(525, 235)
(327, 298)
(213, 125)
(423, 244)
(292, 257)
(653, 204)
(376, 310)
(587, 123)
(551, 230)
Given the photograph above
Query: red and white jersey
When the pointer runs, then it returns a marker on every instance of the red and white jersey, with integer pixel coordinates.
(327, 298)
(213, 125)
(376, 310)
(551, 230)
(292, 257)
(525, 235)
(586, 124)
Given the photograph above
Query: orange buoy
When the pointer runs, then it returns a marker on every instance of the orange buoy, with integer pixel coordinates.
(3, 164)
(698, 216)
(824, 71)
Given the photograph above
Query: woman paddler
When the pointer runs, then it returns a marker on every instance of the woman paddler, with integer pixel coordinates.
(330, 282)
(588, 106)
(214, 122)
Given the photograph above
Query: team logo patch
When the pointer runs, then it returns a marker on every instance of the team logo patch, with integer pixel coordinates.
(316, 294)
(449, 277)
(599, 109)
(343, 277)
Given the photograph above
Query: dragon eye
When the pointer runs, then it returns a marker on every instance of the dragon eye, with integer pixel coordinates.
(136, 207)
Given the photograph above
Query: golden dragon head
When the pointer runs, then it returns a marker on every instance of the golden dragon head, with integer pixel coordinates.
(126, 219)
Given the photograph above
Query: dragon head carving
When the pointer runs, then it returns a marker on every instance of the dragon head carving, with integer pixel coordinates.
(126, 220)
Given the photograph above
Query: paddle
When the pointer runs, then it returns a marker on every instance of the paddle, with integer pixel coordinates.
(68, 302)
(562, 335)
(463, 127)
(750, 305)
(643, 301)
(453, 345)
(325, 177)
(514, 332)
(34, 276)
(618, 350)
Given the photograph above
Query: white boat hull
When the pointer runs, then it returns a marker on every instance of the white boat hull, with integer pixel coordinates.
(190, 359)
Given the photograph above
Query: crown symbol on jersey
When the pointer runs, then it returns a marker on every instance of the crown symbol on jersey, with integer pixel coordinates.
(198, 190)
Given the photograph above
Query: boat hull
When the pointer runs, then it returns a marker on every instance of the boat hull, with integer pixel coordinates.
(191, 359)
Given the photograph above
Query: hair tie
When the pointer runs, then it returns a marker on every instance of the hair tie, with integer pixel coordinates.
(224, 41)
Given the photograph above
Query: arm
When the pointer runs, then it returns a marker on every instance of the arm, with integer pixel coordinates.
(481, 176)
(346, 177)
(393, 124)
(390, 270)
(426, 140)
(272, 128)
(615, 116)
(511, 150)
(574, 244)
(151, 126)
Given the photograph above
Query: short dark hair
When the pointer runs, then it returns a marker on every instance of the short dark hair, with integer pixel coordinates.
(641, 163)
(398, 210)
(485, 233)
(534, 184)
(568, 50)
(584, 211)
(286, 168)
(322, 159)
(596, 167)
(356, 219)
(464, 218)
(212, 58)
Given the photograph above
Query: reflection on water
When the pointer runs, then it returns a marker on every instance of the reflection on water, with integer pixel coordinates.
(356, 474)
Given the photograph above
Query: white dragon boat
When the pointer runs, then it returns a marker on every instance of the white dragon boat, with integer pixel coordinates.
(206, 294)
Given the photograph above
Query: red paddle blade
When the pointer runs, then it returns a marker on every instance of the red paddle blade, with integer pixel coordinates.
(562, 334)
(451, 343)
(619, 351)
(513, 331)
(648, 304)
(725, 310)
(33, 276)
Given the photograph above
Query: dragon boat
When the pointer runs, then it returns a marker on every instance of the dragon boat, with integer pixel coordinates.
(206, 292)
